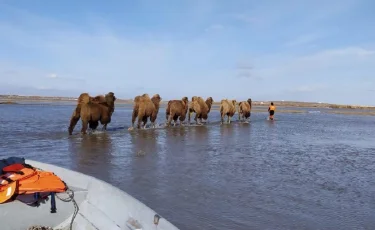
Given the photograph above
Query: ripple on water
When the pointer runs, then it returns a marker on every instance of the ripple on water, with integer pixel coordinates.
(301, 171)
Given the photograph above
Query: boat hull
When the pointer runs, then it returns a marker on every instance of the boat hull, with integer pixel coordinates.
(101, 206)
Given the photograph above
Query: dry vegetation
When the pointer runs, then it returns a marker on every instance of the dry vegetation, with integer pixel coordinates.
(7, 103)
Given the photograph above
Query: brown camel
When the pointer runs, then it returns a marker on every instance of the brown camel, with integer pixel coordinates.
(200, 107)
(176, 109)
(91, 110)
(145, 107)
(244, 110)
(227, 108)
(209, 102)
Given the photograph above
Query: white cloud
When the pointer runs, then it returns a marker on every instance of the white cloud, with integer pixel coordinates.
(326, 62)
(309, 88)
(214, 27)
(130, 63)
(52, 75)
(246, 18)
(303, 39)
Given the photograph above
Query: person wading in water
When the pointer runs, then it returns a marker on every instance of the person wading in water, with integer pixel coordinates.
(271, 110)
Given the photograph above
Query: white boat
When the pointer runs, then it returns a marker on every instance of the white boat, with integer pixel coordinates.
(100, 206)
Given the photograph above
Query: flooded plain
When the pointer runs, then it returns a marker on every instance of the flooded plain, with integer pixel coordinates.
(301, 171)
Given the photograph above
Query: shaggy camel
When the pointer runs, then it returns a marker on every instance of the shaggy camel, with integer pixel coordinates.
(200, 107)
(209, 102)
(145, 107)
(176, 109)
(227, 108)
(91, 110)
(244, 110)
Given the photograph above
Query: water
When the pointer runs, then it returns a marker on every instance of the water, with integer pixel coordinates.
(302, 171)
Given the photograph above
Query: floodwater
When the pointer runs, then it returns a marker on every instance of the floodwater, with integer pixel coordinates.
(301, 171)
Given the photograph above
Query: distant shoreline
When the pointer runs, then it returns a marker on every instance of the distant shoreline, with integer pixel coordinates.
(259, 106)
(15, 98)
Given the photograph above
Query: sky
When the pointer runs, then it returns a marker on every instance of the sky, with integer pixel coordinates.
(311, 50)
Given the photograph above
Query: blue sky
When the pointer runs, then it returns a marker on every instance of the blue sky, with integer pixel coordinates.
(267, 50)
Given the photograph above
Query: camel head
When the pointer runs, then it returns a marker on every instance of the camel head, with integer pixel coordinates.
(209, 100)
(110, 100)
(185, 100)
(156, 99)
(249, 101)
(234, 102)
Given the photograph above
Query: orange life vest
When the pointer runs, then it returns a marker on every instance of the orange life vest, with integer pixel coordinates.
(19, 180)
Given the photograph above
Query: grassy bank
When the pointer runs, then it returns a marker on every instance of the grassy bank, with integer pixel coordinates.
(7, 103)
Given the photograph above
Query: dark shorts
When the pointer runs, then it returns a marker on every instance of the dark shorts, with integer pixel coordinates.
(272, 112)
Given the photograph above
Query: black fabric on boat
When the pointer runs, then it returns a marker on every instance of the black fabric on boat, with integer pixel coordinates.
(9, 161)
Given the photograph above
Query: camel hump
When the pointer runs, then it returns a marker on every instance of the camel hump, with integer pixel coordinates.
(84, 98)
(142, 98)
(99, 99)
(145, 97)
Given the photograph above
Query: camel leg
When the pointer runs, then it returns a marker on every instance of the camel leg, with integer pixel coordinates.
(84, 126)
(198, 119)
(134, 116)
(93, 125)
(189, 117)
(182, 118)
(229, 117)
(175, 118)
(169, 120)
(145, 118)
(105, 121)
(139, 121)
(74, 119)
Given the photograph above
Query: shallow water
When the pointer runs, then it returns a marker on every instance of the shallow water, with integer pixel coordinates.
(302, 171)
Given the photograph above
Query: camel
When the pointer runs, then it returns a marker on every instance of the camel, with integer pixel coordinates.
(145, 107)
(209, 102)
(227, 108)
(176, 109)
(200, 107)
(91, 110)
(244, 110)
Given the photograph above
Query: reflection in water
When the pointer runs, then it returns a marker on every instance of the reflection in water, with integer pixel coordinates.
(144, 142)
(145, 151)
(301, 173)
(226, 134)
(198, 134)
(92, 154)
(270, 123)
(176, 132)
